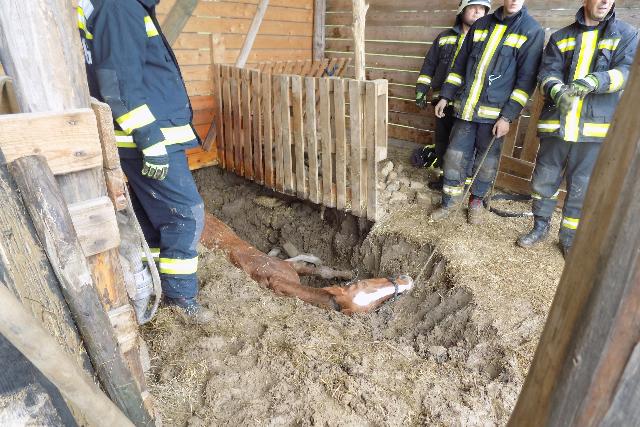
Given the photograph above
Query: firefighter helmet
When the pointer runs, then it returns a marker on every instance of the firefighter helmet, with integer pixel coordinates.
(465, 3)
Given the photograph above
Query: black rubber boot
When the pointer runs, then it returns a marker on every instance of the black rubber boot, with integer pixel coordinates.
(436, 185)
(192, 309)
(539, 232)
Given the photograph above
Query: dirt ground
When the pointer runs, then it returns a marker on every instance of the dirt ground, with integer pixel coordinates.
(454, 351)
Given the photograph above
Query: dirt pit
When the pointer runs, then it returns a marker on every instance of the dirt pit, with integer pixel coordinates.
(453, 351)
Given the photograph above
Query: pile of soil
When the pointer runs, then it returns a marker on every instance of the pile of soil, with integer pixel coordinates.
(453, 351)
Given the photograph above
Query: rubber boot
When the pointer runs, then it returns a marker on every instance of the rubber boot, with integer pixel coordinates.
(437, 184)
(441, 213)
(540, 231)
(476, 211)
(566, 241)
(192, 309)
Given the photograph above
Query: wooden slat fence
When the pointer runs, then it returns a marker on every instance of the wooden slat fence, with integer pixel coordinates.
(315, 138)
(334, 67)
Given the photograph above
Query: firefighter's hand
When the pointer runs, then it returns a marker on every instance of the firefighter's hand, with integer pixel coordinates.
(155, 162)
(564, 98)
(440, 106)
(421, 95)
(501, 128)
(583, 87)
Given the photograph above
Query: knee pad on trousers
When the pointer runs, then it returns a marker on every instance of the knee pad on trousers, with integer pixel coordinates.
(198, 215)
(488, 170)
(455, 165)
(545, 180)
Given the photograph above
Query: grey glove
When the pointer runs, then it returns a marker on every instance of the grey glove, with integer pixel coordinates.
(563, 98)
(155, 162)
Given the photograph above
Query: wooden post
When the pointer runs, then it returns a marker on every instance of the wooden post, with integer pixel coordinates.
(177, 18)
(319, 37)
(51, 78)
(585, 371)
(359, 22)
(251, 35)
(17, 325)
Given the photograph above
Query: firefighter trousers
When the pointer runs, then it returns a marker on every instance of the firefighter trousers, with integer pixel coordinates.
(171, 214)
(469, 140)
(558, 159)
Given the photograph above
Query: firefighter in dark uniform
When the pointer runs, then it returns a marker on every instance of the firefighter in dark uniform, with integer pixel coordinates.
(131, 67)
(435, 68)
(584, 70)
(489, 84)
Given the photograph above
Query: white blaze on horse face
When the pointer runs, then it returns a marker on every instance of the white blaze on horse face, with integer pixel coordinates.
(365, 298)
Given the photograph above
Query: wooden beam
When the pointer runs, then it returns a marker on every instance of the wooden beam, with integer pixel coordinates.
(17, 325)
(93, 215)
(359, 24)
(68, 140)
(252, 33)
(177, 18)
(588, 343)
(319, 38)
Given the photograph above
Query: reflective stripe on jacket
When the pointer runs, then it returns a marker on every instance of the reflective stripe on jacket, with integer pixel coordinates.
(131, 67)
(495, 72)
(605, 52)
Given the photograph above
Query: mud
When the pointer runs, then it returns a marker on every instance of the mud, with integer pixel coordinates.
(454, 351)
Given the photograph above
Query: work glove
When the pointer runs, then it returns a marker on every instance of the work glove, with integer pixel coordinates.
(155, 162)
(424, 157)
(421, 95)
(563, 98)
(583, 87)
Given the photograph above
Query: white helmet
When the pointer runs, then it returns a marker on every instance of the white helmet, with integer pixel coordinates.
(465, 3)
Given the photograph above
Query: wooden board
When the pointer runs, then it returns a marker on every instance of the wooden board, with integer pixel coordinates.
(256, 126)
(311, 139)
(92, 215)
(341, 142)
(267, 116)
(298, 136)
(326, 142)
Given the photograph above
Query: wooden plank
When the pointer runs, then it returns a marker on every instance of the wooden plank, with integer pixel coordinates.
(298, 137)
(327, 143)
(358, 179)
(8, 101)
(228, 119)
(341, 143)
(287, 155)
(256, 122)
(256, 22)
(69, 141)
(371, 110)
(531, 143)
(218, 112)
(624, 409)
(358, 31)
(177, 18)
(267, 130)
(311, 138)
(236, 101)
(319, 39)
(116, 188)
(110, 156)
(277, 129)
(92, 215)
(382, 119)
(245, 122)
(198, 158)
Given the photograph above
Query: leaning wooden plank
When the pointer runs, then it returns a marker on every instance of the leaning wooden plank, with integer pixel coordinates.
(252, 33)
(311, 138)
(356, 117)
(106, 133)
(237, 121)
(278, 134)
(246, 124)
(228, 119)
(256, 125)
(298, 137)
(341, 143)
(371, 109)
(327, 143)
(92, 215)
(267, 130)
(19, 327)
(53, 224)
(177, 18)
(68, 140)
(212, 134)
(287, 155)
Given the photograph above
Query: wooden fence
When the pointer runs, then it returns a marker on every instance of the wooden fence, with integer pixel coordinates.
(334, 67)
(316, 138)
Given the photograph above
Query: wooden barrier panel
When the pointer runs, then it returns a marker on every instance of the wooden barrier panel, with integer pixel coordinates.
(303, 141)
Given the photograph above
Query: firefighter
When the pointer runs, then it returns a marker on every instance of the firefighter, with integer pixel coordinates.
(434, 70)
(490, 82)
(584, 69)
(131, 67)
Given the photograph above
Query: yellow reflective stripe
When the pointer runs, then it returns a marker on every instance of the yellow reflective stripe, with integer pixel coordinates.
(135, 119)
(609, 44)
(82, 23)
(550, 80)
(520, 97)
(585, 57)
(424, 79)
(598, 130)
(548, 125)
(454, 79)
(488, 112)
(538, 196)
(150, 27)
(468, 181)
(452, 191)
(515, 40)
(570, 223)
(617, 80)
(155, 253)
(448, 40)
(178, 134)
(566, 44)
(178, 266)
(487, 55)
(480, 35)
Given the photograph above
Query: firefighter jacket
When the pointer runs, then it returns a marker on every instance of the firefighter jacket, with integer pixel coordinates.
(495, 72)
(439, 59)
(604, 55)
(131, 67)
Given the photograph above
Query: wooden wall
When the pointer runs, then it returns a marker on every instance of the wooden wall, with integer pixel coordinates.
(399, 33)
(285, 34)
